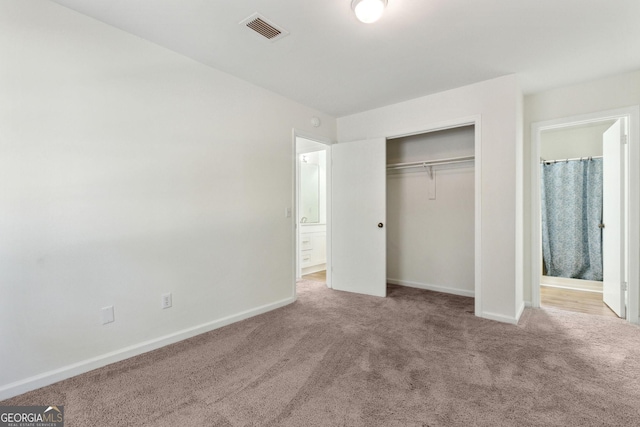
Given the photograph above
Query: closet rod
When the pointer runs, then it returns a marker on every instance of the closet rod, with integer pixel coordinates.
(449, 161)
(569, 160)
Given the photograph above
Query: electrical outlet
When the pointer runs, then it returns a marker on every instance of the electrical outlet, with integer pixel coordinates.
(166, 300)
(107, 315)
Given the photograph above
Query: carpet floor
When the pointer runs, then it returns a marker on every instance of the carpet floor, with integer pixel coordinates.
(415, 358)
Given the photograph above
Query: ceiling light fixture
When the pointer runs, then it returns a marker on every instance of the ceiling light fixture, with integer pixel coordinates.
(368, 11)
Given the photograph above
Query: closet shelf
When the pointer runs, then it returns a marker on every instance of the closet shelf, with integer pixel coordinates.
(427, 163)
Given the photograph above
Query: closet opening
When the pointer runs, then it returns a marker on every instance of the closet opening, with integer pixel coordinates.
(431, 213)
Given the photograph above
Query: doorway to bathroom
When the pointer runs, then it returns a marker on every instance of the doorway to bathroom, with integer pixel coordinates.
(312, 209)
(582, 202)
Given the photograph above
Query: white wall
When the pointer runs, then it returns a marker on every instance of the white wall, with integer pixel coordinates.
(600, 95)
(430, 242)
(127, 171)
(573, 142)
(497, 103)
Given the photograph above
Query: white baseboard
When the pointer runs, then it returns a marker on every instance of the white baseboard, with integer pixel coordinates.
(436, 288)
(22, 386)
(506, 319)
(573, 284)
(501, 317)
(520, 311)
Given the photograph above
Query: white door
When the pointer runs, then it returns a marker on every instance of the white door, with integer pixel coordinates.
(613, 218)
(358, 236)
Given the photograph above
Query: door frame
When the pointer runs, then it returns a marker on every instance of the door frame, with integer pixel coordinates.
(632, 198)
(476, 122)
(296, 133)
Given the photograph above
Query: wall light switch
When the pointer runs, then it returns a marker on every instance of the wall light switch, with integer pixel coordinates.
(107, 314)
(166, 300)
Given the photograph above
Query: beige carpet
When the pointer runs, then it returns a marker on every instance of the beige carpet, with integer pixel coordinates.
(416, 358)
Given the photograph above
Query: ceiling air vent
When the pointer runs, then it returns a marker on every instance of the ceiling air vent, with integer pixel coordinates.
(264, 27)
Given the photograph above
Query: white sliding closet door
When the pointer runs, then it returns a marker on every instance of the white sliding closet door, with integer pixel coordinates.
(358, 236)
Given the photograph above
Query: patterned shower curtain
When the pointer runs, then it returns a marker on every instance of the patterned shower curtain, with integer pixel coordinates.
(571, 212)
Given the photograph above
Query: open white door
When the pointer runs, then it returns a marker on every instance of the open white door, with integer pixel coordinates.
(358, 236)
(613, 218)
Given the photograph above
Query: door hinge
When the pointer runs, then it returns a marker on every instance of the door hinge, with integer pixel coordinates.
(624, 139)
(624, 286)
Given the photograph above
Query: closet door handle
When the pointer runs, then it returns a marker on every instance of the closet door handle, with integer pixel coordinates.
(380, 225)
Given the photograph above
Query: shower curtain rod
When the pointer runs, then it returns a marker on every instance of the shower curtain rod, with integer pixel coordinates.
(569, 160)
(427, 163)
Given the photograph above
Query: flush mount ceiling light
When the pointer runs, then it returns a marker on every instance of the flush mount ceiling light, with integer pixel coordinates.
(368, 11)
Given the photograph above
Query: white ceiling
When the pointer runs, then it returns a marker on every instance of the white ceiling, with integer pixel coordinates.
(340, 66)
